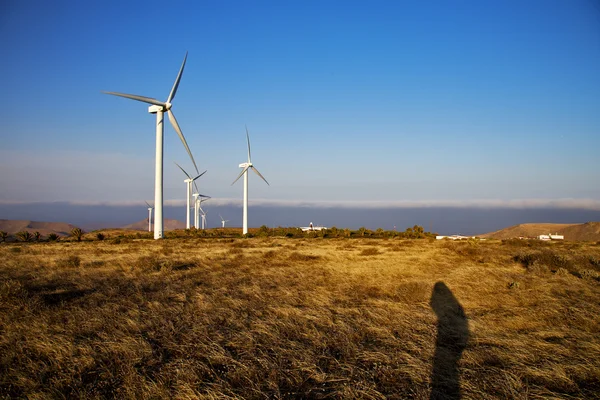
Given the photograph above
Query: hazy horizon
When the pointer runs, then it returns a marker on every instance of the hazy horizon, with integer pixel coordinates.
(442, 220)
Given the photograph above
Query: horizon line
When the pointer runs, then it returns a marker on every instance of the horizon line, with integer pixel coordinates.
(563, 203)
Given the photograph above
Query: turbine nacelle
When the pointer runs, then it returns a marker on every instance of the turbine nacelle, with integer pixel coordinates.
(153, 109)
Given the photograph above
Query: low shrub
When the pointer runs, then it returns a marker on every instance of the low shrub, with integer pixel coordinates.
(295, 256)
(72, 261)
(24, 236)
(371, 251)
(547, 258)
(77, 233)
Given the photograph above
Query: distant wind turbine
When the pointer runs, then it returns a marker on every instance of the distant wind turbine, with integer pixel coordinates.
(149, 216)
(223, 221)
(198, 199)
(246, 166)
(188, 182)
(202, 211)
(159, 108)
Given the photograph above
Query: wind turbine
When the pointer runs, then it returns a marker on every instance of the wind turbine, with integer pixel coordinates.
(158, 107)
(188, 182)
(202, 211)
(197, 202)
(223, 221)
(246, 166)
(149, 216)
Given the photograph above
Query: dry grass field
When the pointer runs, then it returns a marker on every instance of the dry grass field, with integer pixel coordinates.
(299, 318)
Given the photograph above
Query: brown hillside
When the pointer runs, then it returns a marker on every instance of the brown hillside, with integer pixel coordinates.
(590, 231)
(45, 228)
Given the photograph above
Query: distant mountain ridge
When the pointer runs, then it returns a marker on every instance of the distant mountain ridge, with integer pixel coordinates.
(589, 231)
(12, 226)
(45, 228)
(168, 225)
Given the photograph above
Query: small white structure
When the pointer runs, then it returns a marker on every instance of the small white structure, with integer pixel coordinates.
(311, 228)
(550, 236)
(454, 237)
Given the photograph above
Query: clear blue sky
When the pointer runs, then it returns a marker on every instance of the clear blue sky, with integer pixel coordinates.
(345, 100)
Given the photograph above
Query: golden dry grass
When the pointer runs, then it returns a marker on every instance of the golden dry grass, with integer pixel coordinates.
(299, 318)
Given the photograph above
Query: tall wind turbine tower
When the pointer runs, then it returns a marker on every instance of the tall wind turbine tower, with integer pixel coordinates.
(188, 183)
(149, 216)
(246, 166)
(196, 224)
(159, 108)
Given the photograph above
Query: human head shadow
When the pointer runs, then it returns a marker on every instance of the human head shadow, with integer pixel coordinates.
(452, 338)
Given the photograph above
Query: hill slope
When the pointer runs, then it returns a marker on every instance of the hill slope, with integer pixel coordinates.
(45, 228)
(590, 231)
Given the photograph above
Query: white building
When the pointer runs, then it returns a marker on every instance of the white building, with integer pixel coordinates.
(454, 237)
(550, 236)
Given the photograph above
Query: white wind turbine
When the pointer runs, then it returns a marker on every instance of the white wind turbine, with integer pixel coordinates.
(159, 108)
(200, 210)
(149, 216)
(223, 221)
(198, 199)
(246, 166)
(188, 183)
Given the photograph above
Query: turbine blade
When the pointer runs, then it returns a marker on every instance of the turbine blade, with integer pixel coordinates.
(258, 173)
(199, 176)
(178, 130)
(186, 174)
(221, 217)
(176, 84)
(147, 204)
(240, 175)
(248, 139)
(196, 186)
(143, 99)
(205, 196)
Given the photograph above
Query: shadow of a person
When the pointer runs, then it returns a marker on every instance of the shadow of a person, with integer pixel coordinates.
(452, 337)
